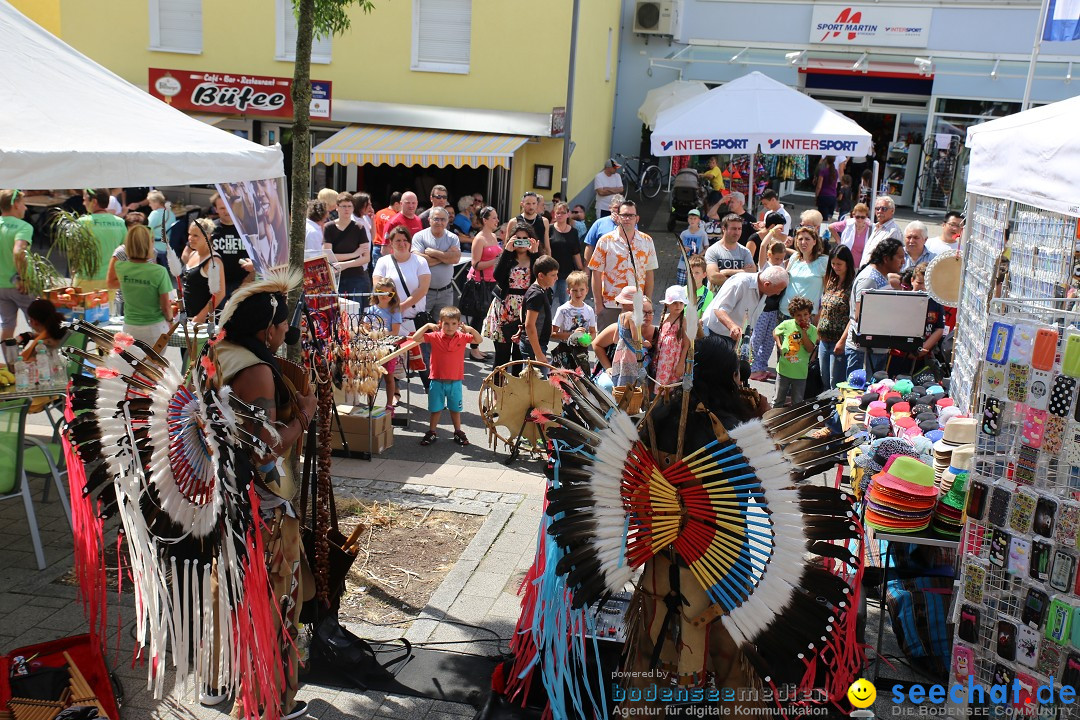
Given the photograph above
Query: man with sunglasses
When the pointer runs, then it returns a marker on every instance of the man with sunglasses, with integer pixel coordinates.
(439, 198)
(622, 258)
(951, 230)
(15, 237)
(884, 225)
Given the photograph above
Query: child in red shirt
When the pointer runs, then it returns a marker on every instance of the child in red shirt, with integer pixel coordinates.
(447, 369)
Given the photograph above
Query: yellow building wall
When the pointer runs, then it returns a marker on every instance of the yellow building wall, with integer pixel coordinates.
(45, 13)
(519, 60)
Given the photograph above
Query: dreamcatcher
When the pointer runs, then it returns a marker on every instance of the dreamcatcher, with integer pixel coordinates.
(170, 458)
(359, 350)
(513, 399)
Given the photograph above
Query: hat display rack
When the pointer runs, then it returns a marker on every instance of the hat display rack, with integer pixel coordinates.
(1017, 607)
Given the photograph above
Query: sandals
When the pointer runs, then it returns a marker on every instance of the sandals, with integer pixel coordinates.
(429, 437)
(460, 439)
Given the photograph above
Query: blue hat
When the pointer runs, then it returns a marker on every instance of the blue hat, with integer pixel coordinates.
(935, 435)
(857, 380)
(935, 389)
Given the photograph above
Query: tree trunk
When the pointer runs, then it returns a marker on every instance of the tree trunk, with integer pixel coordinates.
(301, 143)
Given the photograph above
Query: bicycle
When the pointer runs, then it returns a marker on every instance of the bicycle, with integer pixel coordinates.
(648, 182)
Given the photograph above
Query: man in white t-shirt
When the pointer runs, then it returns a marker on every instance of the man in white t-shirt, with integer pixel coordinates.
(884, 225)
(313, 234)
(607, 182)
(738, 303)
(951, 230)
(771, 202)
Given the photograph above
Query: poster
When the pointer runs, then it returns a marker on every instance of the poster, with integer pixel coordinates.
(260, 212)
(320, 281)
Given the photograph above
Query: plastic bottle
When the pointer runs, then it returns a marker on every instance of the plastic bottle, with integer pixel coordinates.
(44, 365)
(22, 375)
(31, 372)
(58, 365)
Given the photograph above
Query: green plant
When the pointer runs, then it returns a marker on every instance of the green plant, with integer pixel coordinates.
(39, 275)
(76, 240)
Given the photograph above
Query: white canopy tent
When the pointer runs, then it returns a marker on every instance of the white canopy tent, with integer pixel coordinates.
(659, 99)
(1032, 157)
(68, 122)
(756, 114)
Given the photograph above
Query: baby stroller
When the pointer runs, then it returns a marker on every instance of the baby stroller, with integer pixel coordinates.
(685, 196)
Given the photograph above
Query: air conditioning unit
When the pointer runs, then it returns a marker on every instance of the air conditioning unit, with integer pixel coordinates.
(656, 17)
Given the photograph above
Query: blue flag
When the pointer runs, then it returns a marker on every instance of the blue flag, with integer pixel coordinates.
(1062, 21)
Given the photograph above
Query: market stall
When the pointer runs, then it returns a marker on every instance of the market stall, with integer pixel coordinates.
(756, 114)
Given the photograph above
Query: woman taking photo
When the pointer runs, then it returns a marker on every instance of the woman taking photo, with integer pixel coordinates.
(513, 275)
(486, 251)
(255, 322)
(833, 316)
(350, 247)
(854, 232)
(565, 248)
(806, 271)
(204, 272)
(146, 287)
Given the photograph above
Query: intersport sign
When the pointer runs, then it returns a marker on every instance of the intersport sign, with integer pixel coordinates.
(871, 25)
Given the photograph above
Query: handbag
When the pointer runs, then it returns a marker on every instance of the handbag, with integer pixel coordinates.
(421, 318)
(473, 296)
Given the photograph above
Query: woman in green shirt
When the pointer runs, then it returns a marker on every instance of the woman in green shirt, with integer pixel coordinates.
(146, 286)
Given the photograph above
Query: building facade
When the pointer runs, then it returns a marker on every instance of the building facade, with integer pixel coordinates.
(417, 92)
(915, 74)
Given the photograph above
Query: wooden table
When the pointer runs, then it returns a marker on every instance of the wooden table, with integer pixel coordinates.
(39, 202)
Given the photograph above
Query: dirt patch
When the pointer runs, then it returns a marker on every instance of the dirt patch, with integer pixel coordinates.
(404, 555)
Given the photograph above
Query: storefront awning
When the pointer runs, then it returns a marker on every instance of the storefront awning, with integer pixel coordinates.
(378, 145)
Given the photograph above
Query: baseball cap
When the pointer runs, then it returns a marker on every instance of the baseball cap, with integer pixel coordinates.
(611, 164)
(695, 211)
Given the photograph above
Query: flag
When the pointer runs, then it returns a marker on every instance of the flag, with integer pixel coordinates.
(1062, 21)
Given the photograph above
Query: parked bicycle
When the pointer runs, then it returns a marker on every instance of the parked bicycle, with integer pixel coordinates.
(647, 181)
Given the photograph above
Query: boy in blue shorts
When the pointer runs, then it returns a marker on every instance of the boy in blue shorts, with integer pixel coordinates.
(448, 341)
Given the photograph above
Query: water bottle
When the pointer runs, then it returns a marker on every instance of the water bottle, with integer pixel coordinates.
(58, 365)
(31, 372)
(22, 375)
(44, 365)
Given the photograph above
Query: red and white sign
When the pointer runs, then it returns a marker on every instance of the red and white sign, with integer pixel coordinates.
(871, 25)
(234, 94)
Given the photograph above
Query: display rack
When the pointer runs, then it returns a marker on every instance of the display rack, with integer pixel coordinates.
(1020, 553)
(901, 169)
(940, 156)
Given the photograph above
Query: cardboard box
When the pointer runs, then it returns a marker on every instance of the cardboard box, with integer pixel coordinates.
(355, 428)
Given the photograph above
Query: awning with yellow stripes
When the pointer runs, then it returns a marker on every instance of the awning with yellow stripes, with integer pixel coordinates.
(378, 145)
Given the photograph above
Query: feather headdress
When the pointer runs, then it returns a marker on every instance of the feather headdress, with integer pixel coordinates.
(279, 280)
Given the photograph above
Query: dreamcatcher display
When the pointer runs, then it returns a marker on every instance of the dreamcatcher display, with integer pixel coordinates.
(359, 350)
(169, 457)
(512, 400)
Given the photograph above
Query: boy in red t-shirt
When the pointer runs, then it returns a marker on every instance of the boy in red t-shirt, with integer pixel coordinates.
(448, 341)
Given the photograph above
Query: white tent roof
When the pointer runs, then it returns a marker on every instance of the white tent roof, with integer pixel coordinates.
(756, 114)
(66, 121)
(665, 96)
(1031, 157)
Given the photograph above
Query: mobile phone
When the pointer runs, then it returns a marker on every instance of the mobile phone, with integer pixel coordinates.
(521, 242)
(1040, 560)
(1006, 640)
(1035, 605)
(1045, 512)
(969, 623)
(1064, 569)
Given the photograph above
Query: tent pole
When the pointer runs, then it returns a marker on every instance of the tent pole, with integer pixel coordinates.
(750, 186)
(1040, 29)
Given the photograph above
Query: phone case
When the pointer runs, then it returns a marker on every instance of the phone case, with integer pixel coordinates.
(1063, 572)
(1023, 342)
(1017, 380)
(1036, 603)
(1051, 657)
(1022, 694)
(1054, 436)
(1019, 555)
(1070, 673)
(969, 624)
(999, 506)
(1061, 395)
(963, 663)
(1041, 554)
(1006, 640)
(974, 582)
(1045, 512)
(1034, 427)
(1067, 524)
(991, 419)
(1071, 451)
(1027, 646)
(1027, 463)
(1074, 634)
(999, 548)
(994, 381)
(1003, 675)
(1058, 621)
(1070, 361)
(1023, 508)
(1044, 349)
(976, 499)
(997, 350)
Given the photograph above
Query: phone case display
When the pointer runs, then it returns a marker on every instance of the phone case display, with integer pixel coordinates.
(1018, 610)
(901, 169)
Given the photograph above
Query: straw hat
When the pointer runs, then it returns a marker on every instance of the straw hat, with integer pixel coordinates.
(958, 431)
(943, 277)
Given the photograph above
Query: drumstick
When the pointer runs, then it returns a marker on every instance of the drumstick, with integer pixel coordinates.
(401, 350)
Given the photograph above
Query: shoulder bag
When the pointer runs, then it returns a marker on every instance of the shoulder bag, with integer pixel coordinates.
(421, 318)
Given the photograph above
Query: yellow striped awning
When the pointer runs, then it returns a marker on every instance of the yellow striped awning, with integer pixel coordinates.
(378, 145)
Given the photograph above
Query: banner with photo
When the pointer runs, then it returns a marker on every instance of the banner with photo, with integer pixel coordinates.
(259, 209)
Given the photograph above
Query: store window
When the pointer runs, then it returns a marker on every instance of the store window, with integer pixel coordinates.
(286, 37)
(176, 26)
(441, 36)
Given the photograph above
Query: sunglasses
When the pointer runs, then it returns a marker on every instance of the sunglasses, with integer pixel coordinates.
(438, 197)
(860, 217)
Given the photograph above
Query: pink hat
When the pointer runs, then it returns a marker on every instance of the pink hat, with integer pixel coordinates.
(626, 295)
(945, 402)
(876, 404)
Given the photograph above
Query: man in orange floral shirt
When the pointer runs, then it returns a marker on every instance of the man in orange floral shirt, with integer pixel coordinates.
(622, 257)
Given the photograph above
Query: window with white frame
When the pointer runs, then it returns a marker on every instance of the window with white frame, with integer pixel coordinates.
(286, 37)
(176, 26)
(441, 35)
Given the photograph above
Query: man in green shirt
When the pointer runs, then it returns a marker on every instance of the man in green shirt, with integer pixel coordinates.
(15, 237)
(108, 229)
